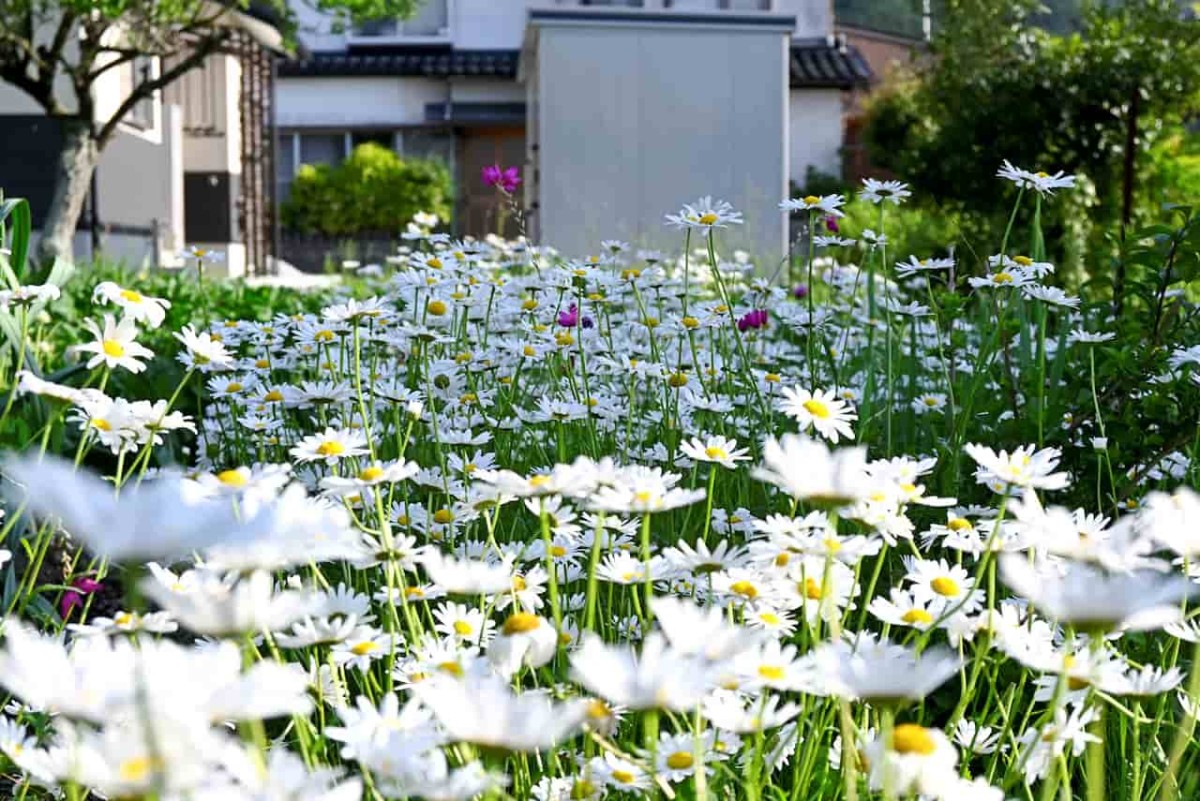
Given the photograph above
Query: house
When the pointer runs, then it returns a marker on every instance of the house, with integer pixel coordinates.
(189, 166)
(617, 111)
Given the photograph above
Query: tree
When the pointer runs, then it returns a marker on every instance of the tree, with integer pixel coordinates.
(373, 191)
(56, 50)
(997, 86)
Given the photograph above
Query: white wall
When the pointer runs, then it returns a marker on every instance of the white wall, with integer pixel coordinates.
(341, 102)
(314, 29)
(813, 17)
(490, 24)
(815, 117)
(629, 129)
(486, 90)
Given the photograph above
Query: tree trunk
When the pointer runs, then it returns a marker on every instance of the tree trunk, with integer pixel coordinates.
(72, 180)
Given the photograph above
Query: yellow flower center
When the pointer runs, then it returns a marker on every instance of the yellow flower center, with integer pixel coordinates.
(959, 524)
(557, 550)
(331, 448)
(598, 710)
(324, 335)
(811, 200)
(816, 408)
(769, 618)
(690, 322)
(136, 769)
(931, 401)
(414, 592)
(680, 760)
(443, 517)
(812, 590)
(917, 616)
(521, 623)
(623, 776)
(744, 588)
(234, 386)
(772, 378)
(944, 585)
(274, 396)
(708, 218)
(582, 789)
(364, 648)
(453, 668)
(782, 559)
(131, 295)
(1024, 261)
(113, 348)
(232, 478)
(462, 628)
(677, 380)
(713, 452)
(909, 738)
(436, 307)
(519, 584)
(529, 304)
(372, 473)
(1002, 278)
(101, 423)
(771, 672)
(123, 618)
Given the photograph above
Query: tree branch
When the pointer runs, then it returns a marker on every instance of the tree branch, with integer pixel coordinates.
(202, 50)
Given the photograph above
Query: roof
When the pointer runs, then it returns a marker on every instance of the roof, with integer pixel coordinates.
(813, 63)
(827, 64)
(406, 61)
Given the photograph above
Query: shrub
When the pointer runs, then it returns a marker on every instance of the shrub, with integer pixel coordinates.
(373, 191)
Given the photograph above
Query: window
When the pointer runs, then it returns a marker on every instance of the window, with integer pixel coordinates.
(431, 20)
(323, 148)
(133, 74)
(385, 138)
(432, 144)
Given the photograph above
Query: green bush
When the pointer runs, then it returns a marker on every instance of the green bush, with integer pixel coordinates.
(372, 191)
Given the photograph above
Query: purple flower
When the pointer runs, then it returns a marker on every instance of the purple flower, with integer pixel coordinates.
(753, 320)
(831, 224)
(800, 291)
(570, 317)
(74, 597)
(507, 179)
(510, 179)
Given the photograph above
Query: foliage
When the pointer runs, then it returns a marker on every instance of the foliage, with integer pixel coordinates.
(372, 191)
(997, 85)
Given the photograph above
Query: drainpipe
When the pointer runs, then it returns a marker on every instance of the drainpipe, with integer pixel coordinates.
(94, 211)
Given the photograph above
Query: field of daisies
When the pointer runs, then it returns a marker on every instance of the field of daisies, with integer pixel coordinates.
(498, 523)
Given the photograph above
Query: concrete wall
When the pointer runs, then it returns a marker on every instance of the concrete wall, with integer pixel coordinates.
(490, 24)
(348, 102)
(816, 132)
(636, 119)
(813, 17)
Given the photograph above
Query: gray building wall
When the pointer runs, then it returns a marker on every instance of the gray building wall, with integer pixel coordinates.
(635, 115)
(133, 184)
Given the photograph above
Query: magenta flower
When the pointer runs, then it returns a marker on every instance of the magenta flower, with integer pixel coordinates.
(511, 179)
(74, 597)
(506, 179)
(753, 320)
(570, 317)
(800, 291)
(831, 224)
